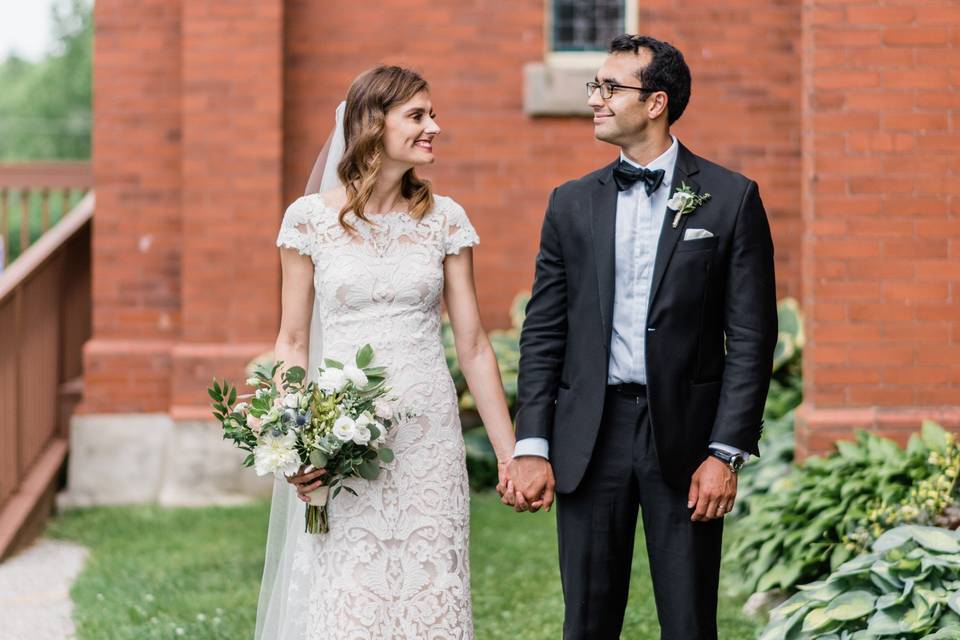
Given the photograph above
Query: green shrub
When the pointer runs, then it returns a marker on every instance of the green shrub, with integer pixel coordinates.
(907, 587)
(818, 516)
(786, 383)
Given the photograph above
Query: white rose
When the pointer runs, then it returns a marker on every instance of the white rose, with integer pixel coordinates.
(332, 380)
(241, 407)
(362, 435)
(345, 428)
(365, 419)
(292, 401)
(677, 201)
(384, 408)
(356, 376)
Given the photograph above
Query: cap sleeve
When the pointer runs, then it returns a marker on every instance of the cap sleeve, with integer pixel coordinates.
(297, 229)
(459, 233)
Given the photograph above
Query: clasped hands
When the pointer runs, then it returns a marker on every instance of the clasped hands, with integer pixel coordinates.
(526, 483)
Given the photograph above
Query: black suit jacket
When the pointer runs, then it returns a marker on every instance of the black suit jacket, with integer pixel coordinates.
(711, 323)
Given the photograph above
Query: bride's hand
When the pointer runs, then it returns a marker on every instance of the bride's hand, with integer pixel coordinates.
(308, 481)
(504, 484)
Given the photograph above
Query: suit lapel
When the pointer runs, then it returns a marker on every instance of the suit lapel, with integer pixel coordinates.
(603, 225)
(684, 171)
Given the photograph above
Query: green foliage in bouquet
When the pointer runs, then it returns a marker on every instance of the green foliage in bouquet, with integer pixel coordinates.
(907, 587)
(832, 507)
(337, 422)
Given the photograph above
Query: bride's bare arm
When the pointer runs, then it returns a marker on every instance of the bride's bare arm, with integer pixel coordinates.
(296, 302)
(477, 360)
(293, 340)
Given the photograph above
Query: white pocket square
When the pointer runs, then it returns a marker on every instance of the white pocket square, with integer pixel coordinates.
(693, 234)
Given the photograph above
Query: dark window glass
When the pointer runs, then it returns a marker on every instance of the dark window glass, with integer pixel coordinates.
(586, 25)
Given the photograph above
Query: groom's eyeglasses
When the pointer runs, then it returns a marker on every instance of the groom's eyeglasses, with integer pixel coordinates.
(607, 89)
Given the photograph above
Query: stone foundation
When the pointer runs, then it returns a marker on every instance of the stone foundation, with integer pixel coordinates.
(151, 458)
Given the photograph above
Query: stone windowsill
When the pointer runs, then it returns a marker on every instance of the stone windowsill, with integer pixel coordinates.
(556, 89)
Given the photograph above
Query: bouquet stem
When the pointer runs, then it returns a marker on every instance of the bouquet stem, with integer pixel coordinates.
(316, 515)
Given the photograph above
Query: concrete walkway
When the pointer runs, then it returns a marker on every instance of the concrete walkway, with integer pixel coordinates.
(35, 591)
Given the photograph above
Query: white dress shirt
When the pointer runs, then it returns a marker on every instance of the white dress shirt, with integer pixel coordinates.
(639, 221)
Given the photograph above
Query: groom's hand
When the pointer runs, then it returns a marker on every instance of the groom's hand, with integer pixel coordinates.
(532, 476)
(713, 489)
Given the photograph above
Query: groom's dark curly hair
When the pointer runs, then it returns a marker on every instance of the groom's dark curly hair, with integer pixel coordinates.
(667, 71)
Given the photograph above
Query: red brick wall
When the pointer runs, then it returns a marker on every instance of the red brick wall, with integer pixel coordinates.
(232, 77)
(881, 276)
(137, 155)
(187, 161)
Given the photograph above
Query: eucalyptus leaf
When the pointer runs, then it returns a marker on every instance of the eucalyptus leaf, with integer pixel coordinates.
(318, 459)
(295, 375)
(364, 356)
(368, 470)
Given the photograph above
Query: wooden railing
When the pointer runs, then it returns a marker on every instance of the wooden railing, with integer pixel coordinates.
(33, 197)
(45, 317)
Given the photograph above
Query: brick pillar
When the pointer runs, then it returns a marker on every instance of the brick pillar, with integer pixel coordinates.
(188, 172)
(136, 236)
(232, 188)
(881, 209)
(187, 162)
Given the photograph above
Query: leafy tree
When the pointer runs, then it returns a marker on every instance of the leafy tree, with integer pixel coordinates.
(45, 106)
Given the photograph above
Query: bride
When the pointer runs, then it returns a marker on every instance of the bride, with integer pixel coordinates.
(367, 260)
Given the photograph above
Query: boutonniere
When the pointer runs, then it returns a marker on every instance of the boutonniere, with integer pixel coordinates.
(685, 201)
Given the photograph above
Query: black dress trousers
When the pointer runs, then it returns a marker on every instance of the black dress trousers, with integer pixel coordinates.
(597, 524)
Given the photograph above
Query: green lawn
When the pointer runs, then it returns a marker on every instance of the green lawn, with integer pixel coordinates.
(155, 571)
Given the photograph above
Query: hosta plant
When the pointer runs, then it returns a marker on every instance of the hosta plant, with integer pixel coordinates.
(907, 587)
(817, 517)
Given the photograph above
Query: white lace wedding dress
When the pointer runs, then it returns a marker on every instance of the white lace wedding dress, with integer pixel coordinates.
(394, 565)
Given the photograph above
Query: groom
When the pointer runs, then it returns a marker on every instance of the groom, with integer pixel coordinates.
(646, 355)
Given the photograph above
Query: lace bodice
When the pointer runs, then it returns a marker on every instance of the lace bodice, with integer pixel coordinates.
(383, 282)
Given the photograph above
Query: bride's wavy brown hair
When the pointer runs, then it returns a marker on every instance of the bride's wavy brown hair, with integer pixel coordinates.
(371, 96)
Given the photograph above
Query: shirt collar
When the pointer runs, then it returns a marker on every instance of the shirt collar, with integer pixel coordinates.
(666, 161)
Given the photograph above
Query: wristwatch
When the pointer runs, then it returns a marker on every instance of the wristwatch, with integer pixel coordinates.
(734, 461)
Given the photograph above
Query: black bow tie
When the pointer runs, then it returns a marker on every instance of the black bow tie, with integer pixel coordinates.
(626, 175)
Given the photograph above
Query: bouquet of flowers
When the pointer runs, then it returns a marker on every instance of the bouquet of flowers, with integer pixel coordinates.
(337, 423)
